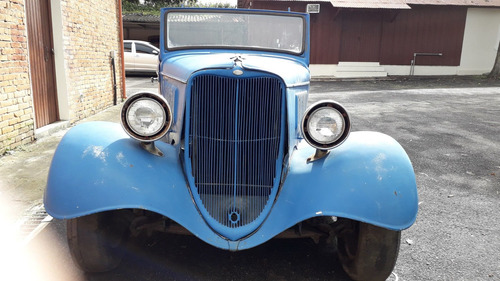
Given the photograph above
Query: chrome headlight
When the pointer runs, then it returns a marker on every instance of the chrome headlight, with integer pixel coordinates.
(326, 125)
(146, 116)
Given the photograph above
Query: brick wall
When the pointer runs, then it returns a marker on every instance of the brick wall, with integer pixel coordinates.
(16, 105)
(90, 32)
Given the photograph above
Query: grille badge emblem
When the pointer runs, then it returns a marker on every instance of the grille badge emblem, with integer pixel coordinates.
(237, 72)
(234, 217)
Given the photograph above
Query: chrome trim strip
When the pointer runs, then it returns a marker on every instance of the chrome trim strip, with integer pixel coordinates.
(299, 84)
(174, 78)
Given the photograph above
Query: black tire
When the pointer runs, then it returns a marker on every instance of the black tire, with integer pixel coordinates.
(367, 252)
(96, 241)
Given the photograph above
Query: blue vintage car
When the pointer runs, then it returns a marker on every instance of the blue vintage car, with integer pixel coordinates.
(228, 151)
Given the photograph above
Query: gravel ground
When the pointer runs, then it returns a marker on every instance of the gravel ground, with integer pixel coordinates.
(451, 131)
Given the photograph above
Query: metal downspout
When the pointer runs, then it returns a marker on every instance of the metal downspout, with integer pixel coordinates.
(124, 94)
(414, 61)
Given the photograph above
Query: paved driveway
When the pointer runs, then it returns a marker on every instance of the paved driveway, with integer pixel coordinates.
(453, 139)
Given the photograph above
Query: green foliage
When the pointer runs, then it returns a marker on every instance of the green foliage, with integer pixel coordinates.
(149, 7)
(214, 5)
(152, 7)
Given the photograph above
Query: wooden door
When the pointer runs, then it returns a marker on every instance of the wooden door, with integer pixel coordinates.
(361, 36)
(41, 52)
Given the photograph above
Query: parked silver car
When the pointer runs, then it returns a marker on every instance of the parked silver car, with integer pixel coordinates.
(140, 56)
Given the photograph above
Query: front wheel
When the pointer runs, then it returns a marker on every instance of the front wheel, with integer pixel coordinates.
(95, 241)
(367, 252)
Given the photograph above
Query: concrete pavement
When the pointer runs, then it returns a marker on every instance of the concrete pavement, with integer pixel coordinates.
(24, 172)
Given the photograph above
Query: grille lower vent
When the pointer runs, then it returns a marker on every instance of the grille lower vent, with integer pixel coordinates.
(234, 144)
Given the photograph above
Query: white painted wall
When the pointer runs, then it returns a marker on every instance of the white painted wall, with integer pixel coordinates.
(420, 70)
(322, 70)
(482, 33)
(61, 84)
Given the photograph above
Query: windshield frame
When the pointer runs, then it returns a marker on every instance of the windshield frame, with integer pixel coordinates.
(240, 12)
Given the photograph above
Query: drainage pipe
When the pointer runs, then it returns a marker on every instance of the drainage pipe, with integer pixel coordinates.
(113, 67)
(414, 61)
(120, 20)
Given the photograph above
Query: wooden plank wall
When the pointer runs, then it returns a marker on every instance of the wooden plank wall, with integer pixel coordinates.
(387, 36)
(429, 29)
(42, 62)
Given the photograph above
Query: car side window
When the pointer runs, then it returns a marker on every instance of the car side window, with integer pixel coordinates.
(127, 47)
(143, 49)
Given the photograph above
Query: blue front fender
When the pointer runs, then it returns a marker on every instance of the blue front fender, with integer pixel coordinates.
(97, 167)
(369, 178)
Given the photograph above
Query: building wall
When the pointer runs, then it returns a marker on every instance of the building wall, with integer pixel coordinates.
(90, 31)
(479, 47)
(424, 29)
(467, 38)
(16, 105)
(85, 32)
(149, 32)
(482, 33)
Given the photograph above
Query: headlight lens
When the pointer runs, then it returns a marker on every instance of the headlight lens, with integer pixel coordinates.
(325, 125)
(146, 116)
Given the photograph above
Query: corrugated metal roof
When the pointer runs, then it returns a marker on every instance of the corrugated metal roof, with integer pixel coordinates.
(398, 4)
(371, 4)
(206, 18)
(485, 3)
(141, 18)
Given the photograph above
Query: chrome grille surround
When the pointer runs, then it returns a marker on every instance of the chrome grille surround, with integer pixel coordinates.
(235, 128)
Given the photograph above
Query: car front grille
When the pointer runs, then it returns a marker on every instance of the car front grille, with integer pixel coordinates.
(236, 126)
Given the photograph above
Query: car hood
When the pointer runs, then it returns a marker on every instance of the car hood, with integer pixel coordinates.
(181, 67)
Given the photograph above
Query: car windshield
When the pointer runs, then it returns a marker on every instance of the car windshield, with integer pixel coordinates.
(239, 30)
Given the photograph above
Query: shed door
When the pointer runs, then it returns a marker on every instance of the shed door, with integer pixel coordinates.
(361, 35)
(41, 51)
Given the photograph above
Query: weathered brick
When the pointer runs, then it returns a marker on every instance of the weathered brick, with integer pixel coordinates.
(6, 103)
(13, 108)
(6, 130)
(23, 87)
(24, 129)
(4, 124)
(14, 121)
(88, 70)
(9, 89)
(7, 117)
(25, 117)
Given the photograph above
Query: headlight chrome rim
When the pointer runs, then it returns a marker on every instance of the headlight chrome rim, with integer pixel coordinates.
(158, 100)
(315, 108)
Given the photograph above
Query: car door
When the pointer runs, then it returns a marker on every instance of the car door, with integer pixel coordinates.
(129, 57)
(146, 57)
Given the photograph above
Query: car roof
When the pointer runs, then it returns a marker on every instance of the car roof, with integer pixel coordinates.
(142, 42)
(138, 41)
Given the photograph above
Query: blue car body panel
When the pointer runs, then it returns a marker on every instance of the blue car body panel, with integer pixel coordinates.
(181, 66)
(97, 167)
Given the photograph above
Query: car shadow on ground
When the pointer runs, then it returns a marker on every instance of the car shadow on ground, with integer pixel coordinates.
(177, 257)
